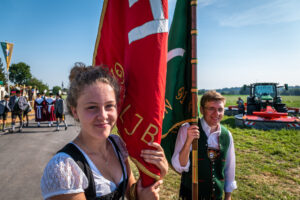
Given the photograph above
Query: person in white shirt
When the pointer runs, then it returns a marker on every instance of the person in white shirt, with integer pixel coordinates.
(216, 156)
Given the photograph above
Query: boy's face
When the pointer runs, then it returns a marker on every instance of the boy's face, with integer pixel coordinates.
(213, 112)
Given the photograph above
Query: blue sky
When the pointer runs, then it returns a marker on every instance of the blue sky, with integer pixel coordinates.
(239, 41)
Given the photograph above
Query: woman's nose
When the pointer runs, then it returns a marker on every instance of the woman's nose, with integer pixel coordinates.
(102, 114)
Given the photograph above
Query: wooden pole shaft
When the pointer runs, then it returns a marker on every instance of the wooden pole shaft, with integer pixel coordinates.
(194, 96)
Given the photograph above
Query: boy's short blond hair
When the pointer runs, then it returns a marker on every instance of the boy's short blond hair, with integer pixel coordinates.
(211, 95)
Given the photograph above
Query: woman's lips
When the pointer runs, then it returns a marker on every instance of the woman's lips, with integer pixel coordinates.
(102, 125)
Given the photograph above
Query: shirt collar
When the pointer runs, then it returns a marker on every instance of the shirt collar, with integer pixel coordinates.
(206, 128)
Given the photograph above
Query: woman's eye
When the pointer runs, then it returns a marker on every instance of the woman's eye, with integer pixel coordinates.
(91, 107)
(109, 106)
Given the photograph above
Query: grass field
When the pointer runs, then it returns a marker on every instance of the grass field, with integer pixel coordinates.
(267, 162)
(290, 101)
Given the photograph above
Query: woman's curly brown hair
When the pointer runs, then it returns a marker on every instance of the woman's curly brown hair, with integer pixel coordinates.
(82, 76)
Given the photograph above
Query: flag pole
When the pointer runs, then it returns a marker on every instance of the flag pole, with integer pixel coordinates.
(194, 93)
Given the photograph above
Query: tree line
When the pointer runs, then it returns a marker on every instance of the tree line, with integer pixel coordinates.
(20, 74)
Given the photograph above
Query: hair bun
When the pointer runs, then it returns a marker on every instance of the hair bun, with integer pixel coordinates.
(78, 68)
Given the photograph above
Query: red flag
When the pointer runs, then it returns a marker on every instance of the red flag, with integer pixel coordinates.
(132, 42)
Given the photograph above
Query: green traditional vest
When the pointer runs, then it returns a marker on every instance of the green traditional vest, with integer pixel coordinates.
(210, 173)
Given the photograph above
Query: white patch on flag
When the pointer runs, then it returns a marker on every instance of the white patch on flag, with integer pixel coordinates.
(149, 28)
(175, 52)
(158, 25)
(157, 9)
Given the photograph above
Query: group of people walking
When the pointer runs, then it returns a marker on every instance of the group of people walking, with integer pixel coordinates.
(19, 107)
(49, 109)
(46, 109)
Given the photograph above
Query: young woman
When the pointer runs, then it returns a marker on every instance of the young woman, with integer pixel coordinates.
(104, 171)
(39, 105)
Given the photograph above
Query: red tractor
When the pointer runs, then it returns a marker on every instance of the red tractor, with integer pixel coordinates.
(265, 109)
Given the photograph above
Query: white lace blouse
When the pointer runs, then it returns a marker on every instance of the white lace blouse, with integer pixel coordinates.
(63, 176)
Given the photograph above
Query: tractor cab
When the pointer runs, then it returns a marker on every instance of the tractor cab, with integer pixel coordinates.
(265, 92)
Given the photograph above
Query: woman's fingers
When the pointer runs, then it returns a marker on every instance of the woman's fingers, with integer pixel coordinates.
(161, 164)
(155, 145)
(150, 192)
(153, 154)
(157, 184)
(153, 160)
(156, 157)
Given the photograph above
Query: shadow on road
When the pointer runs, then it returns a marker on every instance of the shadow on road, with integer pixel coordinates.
(36, 130)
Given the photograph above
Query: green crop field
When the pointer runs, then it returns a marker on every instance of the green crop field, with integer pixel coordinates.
(290, 101)
(267, 162)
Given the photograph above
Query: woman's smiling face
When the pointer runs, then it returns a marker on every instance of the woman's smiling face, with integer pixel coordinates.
(96, 110)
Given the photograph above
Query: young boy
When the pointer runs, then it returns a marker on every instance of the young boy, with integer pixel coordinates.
(59, 111)
(216, 154)
(17, 105)
(4, 109)
(26, 111)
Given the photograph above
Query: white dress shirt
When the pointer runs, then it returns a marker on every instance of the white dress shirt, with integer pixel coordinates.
(212, 141)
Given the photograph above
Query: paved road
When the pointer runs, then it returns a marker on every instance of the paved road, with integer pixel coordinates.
(23, 157)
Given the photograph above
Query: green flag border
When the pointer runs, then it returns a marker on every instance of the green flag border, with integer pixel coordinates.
(177, 125)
